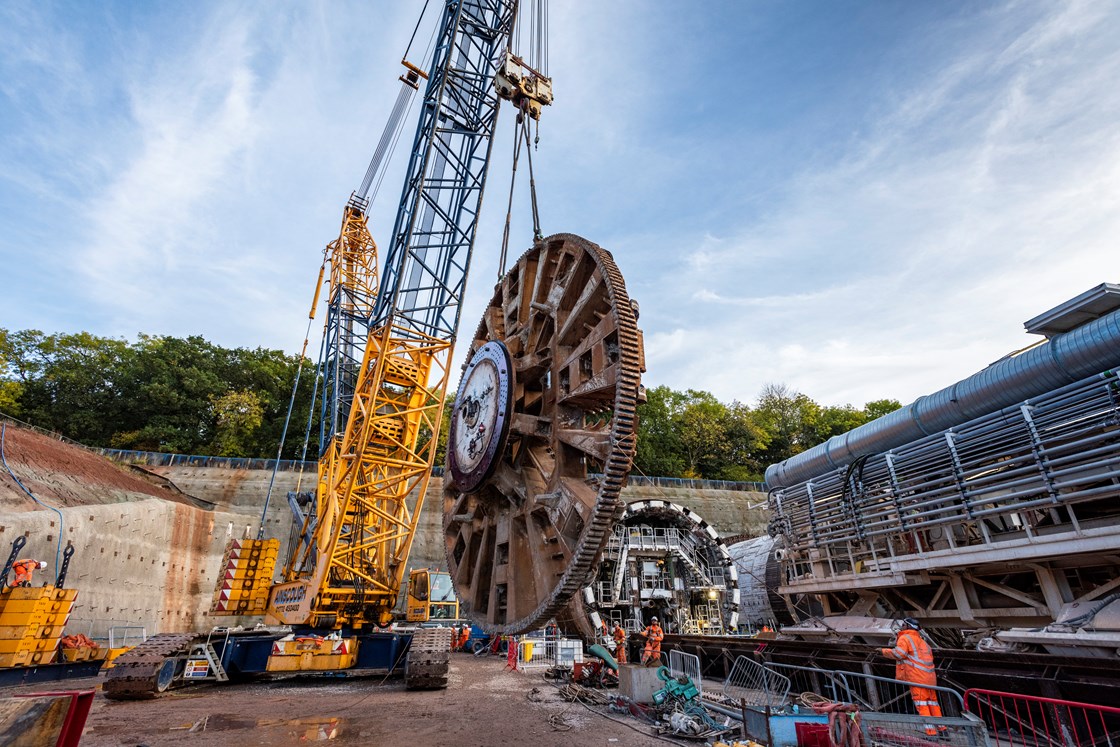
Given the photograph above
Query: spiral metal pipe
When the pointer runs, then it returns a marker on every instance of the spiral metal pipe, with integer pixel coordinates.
(1061, 360)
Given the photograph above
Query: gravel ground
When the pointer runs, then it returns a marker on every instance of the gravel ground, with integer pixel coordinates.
(485, 705)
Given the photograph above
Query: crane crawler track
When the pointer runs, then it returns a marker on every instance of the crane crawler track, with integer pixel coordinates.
(522, 543)
(429, 659)
(135, 673)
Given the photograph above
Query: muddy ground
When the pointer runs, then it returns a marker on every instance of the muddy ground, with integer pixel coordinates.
(485, 706)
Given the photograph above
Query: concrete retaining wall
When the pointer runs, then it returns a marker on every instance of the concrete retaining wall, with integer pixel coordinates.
(150, 562)
(145, 560)
(729, 511)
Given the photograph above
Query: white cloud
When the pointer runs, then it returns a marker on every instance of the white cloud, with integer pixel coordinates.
(978, 188)
(985, 197)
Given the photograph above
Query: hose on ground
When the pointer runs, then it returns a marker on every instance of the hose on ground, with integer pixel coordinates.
(844, 729)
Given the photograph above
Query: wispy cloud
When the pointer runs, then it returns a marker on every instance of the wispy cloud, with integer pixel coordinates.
(880, 243)
(192, 119)
(985, 196)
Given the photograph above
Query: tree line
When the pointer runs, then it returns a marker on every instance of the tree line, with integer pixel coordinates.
(159, 393)
(190, 396)
(693, 434)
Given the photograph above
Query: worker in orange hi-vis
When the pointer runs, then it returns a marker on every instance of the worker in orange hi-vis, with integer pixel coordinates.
(24, 569)
(654, 635)
(619, 636)
(915, 665)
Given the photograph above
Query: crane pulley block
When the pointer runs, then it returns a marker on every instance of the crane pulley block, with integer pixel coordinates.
(527, 89)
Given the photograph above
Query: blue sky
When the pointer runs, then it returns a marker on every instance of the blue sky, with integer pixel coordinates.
(860, 200)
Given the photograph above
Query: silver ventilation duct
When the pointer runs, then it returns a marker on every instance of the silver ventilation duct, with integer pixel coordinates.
(1061, 360)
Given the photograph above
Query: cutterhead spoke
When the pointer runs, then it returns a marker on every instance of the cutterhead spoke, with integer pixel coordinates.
(549, 390)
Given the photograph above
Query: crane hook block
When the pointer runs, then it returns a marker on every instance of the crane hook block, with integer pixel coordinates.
(528, 90)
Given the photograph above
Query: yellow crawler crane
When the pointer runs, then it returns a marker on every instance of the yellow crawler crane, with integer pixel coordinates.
(385, 366)
(372, 481)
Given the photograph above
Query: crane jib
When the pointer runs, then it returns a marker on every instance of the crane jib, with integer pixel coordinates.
(427, 264)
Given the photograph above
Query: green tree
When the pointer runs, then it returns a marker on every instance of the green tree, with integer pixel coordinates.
(746, 442)
(70, 384)
(832, 420)
(693, 434)
(702, 424)
(10, 390)
(20, 356)
(238, 415)
(880, 407)
(659, 449)
(790, 418)
(172, 383)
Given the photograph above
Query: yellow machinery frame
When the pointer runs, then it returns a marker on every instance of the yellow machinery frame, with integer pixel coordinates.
(375, 472)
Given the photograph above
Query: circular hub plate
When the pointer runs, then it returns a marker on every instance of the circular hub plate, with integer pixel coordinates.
(480, 419)
(523, 526)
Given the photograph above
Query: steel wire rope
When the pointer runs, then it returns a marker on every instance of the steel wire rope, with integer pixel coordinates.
(291, 404)
(416, 28)
(540, 29)
(425, 64)
(311, 414)
(388, 138)
(4, 458)
(394, 126)
(392, 150)
(509, 205)
(537, 235)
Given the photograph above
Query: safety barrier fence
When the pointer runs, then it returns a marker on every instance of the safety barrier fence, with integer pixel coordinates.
(1031, 721)
(761, 688)
(697, 484)
(870, 692)
(686, 665)
(108, 629)
(832, 684)
(534, 652)
(755, 685)
(127, 635)
(888, 695)
(162, 459)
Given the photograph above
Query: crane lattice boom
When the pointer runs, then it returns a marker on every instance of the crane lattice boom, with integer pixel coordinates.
(351, 558)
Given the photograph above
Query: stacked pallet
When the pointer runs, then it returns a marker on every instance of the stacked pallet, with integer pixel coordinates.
(31, 624)
(243, 584)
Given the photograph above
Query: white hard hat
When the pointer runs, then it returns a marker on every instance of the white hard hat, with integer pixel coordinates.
(653, 619)
(42, 564)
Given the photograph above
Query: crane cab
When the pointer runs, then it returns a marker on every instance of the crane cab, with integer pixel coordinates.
(431, 597)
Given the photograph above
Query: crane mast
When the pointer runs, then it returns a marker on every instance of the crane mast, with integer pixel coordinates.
(348, 563)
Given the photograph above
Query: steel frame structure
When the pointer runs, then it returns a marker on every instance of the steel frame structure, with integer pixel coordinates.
(665, 555)
(353, 284)
(374, 475)
(1008, 520)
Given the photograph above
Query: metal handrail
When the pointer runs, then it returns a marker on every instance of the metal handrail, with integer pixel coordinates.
(1033, 721)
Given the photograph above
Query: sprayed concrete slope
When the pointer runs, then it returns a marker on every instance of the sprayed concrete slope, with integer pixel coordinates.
(146, 552)
(149, 542)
